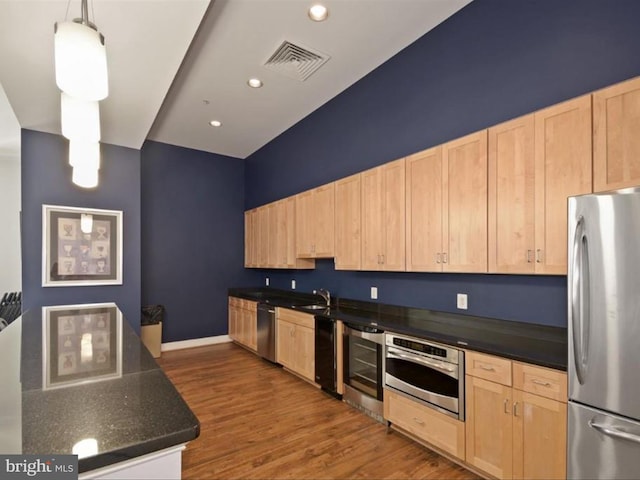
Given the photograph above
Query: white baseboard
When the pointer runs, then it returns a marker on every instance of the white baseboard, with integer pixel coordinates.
(196, 342)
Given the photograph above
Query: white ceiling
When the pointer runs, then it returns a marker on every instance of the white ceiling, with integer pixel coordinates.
(148, 51)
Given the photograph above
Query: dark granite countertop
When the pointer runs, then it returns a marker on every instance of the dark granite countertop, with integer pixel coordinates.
(536, 344)
(73, 375)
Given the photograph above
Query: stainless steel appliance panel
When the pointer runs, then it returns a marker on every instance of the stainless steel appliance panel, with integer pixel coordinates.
(602, 445)
(362, 368)
(266, 332)
(429, 372)
(604, 301)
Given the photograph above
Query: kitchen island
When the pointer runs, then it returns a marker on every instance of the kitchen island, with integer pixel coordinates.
(80, 381)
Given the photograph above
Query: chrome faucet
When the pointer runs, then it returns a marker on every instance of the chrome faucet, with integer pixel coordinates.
(324, 294)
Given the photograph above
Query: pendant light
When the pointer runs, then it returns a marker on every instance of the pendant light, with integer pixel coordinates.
(85, 177)
(80, 119)
(81, 74)
(84, 154)
(81, 58)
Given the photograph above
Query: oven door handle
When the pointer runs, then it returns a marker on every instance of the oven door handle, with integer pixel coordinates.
(447, 370)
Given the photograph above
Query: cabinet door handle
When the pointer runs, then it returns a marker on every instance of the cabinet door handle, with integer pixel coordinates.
(506, 405)
(529, 252)
(487, 368)
(438, 257)
(418, 421)
(382, 257)
(444, 257)
(378, 259)
(539, 255)
(540, 382)
(515, 409)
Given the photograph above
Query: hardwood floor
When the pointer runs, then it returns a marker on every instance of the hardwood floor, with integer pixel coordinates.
(258, 421)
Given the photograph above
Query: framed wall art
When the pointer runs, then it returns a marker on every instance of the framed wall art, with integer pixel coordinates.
(81, 246)
(81, 344)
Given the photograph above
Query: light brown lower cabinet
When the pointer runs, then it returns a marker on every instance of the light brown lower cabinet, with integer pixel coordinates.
(425, 424)
(243, 327)
(516, 416)
(295, 342)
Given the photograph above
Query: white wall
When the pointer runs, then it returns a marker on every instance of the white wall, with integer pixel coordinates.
(10, 264)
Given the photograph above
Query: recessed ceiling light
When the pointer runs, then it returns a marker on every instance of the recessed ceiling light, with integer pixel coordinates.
(318, 13)
(215, 123)
(254, 82)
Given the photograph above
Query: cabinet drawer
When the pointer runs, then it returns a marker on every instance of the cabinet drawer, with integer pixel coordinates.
(299, 318)
(425, 423)
(542, 381)
(488, 367)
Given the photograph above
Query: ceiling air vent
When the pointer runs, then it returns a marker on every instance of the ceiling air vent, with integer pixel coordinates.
(295, 61)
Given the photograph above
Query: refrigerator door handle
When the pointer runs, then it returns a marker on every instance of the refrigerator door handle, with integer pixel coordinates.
(614, 432)
(579, 304)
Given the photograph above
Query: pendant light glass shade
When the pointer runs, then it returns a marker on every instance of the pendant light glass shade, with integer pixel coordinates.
(81, 61)
(80, 119)
(84, 176)
(84, 154)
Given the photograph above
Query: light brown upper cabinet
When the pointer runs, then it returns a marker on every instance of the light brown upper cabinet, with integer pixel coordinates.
(270, 237)
(287, 235)
(315, 211)
(383, 217)
(250, 244)
(512, 197)
(447, 207)
(562, 169)
(616, 138)
(263, 235)
(424, 211)
(348, 224)
(464, 205)
(535, 163)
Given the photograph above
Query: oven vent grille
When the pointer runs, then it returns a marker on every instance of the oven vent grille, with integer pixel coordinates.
(295, 61)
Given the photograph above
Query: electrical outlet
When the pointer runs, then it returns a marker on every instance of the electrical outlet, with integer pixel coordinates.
(462, 301)
(266, 281)
(293, 284)
(374, 293)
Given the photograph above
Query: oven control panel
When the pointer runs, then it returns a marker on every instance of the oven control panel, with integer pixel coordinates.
(420, 347)
(417, 345)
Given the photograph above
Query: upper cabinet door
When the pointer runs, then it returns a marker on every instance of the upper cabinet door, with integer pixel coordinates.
(304, 224)
(464, 179)
(616, 136)
(563, 169)
(383, 217)
(393, 201)
(372, 241)
(315, 210)
(511, 196)
(348, 228)
(424, 211)
(323, 220)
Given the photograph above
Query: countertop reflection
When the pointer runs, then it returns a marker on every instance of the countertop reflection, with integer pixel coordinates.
(79, 380)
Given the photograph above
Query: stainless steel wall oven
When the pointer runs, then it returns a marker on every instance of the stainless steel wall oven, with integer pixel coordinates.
(429, 372)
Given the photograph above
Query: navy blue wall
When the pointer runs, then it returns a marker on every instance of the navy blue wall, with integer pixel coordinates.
(492, 61)
(193, 237)
(46, 179)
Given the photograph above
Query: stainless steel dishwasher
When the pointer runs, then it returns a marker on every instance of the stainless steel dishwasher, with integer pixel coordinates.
(267, 332)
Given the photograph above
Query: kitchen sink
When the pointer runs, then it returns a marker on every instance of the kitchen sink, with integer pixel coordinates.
(313, 307)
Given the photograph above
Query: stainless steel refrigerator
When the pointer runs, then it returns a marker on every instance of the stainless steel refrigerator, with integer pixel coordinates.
(604, 335)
